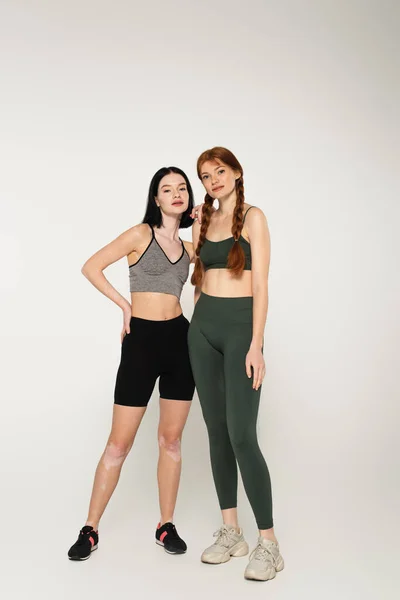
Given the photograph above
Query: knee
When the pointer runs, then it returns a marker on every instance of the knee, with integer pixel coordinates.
(242, 440)
(115, 454)
(170, 441)
(217, 430)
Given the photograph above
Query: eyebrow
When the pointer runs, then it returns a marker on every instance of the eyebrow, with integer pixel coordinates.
(170, 184)
(206, 172)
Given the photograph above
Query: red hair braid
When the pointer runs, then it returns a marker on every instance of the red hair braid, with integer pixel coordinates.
(198, 272)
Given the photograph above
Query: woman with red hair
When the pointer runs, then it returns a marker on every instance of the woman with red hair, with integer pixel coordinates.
(225, 345)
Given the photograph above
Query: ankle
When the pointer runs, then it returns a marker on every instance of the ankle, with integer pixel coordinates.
(234, 526)
(94, 524)
(268, 536)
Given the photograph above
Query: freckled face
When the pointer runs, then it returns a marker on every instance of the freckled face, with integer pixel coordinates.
(218, 178)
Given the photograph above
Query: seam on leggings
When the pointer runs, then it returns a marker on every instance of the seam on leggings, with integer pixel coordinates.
(197, 324)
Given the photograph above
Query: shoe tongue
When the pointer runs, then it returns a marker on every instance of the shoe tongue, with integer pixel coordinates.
(265, 542)
(87, 528)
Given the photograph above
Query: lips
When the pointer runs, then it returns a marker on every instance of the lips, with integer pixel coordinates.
(177, 203)
(217, 188)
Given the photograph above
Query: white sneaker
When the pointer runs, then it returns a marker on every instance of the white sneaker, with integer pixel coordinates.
(265, 561)
(228, 543)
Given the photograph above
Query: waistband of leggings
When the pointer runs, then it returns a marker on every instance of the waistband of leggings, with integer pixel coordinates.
(217, 308)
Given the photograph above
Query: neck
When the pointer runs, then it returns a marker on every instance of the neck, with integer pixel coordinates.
(170, 227)
(227, 204)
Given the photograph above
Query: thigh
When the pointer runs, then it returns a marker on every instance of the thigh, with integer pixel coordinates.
(125, 423)
(208, 370)
(137, 372)
(242, 400)
(173, 416)
(176, 377)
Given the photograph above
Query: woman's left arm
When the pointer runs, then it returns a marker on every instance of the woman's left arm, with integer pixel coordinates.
(257, 228)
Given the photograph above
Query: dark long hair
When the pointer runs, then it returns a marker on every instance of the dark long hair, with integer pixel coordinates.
(236, 257)
(153, 215)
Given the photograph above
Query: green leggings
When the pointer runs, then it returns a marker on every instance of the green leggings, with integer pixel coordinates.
(219, 338)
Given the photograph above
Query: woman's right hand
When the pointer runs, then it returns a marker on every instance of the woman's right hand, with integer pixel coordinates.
(127, 312)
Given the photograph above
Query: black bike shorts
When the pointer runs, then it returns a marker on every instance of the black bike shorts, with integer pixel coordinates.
(154, 349)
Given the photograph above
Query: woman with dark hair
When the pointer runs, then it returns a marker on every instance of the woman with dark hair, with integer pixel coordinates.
(225, 344)
(154, 344)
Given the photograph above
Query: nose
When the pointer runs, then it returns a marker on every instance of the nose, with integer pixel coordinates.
(177, 194)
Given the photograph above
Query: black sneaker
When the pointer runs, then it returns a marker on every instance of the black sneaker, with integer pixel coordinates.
(87, 541)
(168, 537)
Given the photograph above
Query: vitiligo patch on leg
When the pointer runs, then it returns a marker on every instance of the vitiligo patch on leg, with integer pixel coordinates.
(112, 457)
(173, 449)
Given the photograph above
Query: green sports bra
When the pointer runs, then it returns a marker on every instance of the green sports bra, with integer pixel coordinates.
(214, 255)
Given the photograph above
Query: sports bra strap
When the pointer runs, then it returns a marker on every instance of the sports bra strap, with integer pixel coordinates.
(245, 214)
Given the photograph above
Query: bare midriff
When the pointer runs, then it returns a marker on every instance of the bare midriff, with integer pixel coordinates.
(155, 306)
(221, 283)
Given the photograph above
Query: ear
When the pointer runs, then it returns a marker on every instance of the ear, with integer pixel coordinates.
(155, 200)
(238, 175)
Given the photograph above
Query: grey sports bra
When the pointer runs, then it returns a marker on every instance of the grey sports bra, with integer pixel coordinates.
(154, 272)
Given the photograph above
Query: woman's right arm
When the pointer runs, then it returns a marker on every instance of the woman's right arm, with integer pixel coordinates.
(123, 245)
(195, 237)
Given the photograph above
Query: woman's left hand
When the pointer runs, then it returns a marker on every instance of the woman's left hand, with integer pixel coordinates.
(255, 359)
(197, 212)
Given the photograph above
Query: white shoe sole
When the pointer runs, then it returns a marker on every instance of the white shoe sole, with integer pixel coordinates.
(86, 557)
(239, 549)
(167, 551)
(255, 576)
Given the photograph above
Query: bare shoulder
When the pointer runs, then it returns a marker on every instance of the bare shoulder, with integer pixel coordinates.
(255, 215)
(135, 239)
(188, 245)
(256, 225)
(140, 233)
(126, 244)
(137, 236)
(189, 249)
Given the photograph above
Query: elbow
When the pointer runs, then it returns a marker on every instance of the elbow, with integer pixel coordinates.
(260, 289)
(84, 270)
(91, 271)
(88, 269)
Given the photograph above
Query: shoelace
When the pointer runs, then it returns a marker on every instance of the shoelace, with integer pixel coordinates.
(172, 531)
(83, 535)
(222, 535)
(262, 553)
